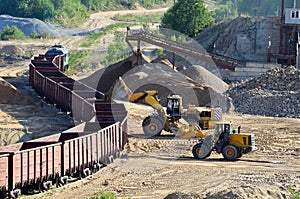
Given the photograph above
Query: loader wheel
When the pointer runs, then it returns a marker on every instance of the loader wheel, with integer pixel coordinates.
(201, 151)
(230, 152)
(152, 125)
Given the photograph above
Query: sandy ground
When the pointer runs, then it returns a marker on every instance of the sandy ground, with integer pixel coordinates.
(157, 167)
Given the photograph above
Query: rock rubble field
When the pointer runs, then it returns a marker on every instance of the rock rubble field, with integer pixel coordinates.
(275, 93)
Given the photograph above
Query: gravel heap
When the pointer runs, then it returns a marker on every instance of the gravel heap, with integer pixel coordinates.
(276, 93)
(35, 26)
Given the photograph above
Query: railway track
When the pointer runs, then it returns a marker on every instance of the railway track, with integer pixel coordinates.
(98, 138)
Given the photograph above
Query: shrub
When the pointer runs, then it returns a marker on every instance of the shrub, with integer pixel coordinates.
(11, 32)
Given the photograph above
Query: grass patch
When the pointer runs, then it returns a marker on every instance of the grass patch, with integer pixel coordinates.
(105, 195)
(294, 194)
(149, 18)
(77, 61)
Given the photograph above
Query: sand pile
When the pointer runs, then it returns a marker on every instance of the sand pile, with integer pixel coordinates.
(167, 81)
(196, 85)
(10, 95)
(205, 78)
(275, 93)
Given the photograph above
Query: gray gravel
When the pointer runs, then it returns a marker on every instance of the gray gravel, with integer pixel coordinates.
(276, 93)
(31, 25)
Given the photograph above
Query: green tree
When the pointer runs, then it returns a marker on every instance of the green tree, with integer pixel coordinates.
(8, 7)
(188, 17)
(225, 9)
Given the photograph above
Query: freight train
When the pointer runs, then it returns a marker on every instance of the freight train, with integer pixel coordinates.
(99, 137)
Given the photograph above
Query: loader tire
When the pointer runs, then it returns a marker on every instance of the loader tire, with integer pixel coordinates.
(230, 152)
(152, 125)
(201, 151)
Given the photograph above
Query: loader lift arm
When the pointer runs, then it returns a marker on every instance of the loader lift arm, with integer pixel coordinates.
(155, 123)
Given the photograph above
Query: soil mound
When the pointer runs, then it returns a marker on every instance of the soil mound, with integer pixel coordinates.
(251, 192)
(275, 93)
(10, 95)
(178, 195)
(12, 50)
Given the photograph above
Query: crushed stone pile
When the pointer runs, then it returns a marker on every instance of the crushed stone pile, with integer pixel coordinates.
(276, 93)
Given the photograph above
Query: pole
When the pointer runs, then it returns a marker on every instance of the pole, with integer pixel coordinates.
(282, 11)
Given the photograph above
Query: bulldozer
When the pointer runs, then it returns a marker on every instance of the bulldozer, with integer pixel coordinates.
(202, 123)
(174, 115)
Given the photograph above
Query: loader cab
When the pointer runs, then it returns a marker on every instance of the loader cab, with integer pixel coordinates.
(174, 106)
(223, 130)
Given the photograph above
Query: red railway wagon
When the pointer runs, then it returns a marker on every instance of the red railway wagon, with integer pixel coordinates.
(31, 164)
(39, 163)
(89, 148)
(109, 113)
(3, 174)
(67, 94)
(44, 161)
(43, 61)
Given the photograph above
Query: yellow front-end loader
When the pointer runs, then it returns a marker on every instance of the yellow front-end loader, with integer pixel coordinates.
(170, 119)
(231, 143)
(202, 123)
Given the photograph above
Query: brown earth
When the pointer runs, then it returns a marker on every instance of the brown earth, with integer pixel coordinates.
(164, 167)
(157, 167)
